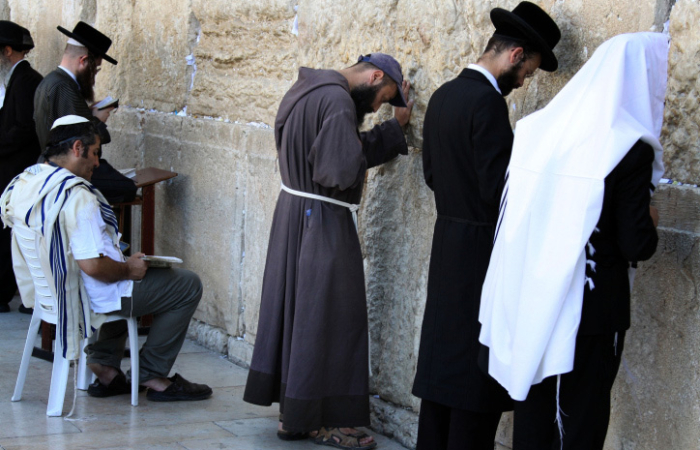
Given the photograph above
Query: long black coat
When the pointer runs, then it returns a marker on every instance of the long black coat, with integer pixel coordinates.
(19, 145)
(467, 142)
(19, 148)
(57, 96)
(625, 232)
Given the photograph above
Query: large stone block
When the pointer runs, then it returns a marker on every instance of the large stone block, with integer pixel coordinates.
(682, 118)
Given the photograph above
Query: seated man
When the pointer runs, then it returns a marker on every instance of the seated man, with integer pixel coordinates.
(90, 273)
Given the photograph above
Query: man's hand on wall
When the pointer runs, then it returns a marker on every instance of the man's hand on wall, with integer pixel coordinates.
(404, 114)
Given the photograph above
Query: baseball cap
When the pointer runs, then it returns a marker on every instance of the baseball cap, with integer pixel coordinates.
(392, 68)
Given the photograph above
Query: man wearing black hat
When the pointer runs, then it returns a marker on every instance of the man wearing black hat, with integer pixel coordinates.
(19, 145)
(467, 141)
(69, 90)
(311, 347)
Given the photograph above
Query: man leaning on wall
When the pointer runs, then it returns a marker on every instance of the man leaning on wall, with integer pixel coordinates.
(19, 145)
(467, 142)
(311, 349)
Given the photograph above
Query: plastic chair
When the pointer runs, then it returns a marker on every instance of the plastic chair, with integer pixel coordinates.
(45, 308)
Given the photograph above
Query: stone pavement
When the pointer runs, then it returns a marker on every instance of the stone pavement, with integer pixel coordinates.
(221, 422)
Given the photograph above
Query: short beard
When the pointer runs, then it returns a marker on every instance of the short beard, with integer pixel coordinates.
(506, 82)
(364, 96)
(5, 67)
(86, 81)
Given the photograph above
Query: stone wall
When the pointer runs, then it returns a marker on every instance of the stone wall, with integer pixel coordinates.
(200, 82)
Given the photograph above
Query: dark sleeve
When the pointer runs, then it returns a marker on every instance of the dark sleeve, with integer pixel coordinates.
(427, 161)
(492, 141)
(383, 143)
(22, 130)
(68, 101)
(636, 234)
(337, 152)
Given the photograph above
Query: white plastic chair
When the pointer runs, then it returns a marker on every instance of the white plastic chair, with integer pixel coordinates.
(45, 308)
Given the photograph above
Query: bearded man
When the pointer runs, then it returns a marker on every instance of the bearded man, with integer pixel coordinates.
(311, 349)
(69, 90)
(467, 142)
(19, 145)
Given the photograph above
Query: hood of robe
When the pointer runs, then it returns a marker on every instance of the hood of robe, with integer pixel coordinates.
(309, 80)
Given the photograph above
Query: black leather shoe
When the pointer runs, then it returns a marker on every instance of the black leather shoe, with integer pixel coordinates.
(4, 308)
(118, 386)
(24, 310)
(180, 390)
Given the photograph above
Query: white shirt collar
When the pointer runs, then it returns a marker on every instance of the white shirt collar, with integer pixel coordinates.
(69, 73)
(489, 76)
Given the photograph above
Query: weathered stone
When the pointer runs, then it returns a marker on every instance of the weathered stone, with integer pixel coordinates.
(682, 118)
(234, 61)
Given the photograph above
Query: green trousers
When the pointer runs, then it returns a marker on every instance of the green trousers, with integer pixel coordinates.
(172, 296)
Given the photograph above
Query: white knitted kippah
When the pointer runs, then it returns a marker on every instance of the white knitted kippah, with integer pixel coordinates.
(68, 120)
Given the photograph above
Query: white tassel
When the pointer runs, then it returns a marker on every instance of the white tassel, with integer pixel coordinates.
(560, 424)
(591, 264)
(596, 230)
(591, 249)
(591, 285)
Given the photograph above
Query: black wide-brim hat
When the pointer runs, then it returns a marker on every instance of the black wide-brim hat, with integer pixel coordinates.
(96, 42)
(15, 36)
(530, 23)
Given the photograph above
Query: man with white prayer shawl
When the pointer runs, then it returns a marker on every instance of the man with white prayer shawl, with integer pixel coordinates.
(77, 232)
(576, 216)
(467, 140)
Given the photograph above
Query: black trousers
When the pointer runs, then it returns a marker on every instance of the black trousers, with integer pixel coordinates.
(443, 428)
(8, 285)
(584, 399)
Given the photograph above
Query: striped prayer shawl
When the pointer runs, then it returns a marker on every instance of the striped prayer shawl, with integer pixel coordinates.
(47, 197)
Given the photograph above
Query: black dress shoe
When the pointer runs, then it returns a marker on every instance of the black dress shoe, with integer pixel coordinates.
(24, 310)
(118, 386)
(4, 308)
(180, 390)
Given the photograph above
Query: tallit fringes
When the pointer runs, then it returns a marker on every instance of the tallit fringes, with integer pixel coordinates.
(75, 390)
(591, 284)
(591, 264)
(591, 249)
(560, 413)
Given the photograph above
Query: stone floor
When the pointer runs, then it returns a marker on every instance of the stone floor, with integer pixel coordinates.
(221, 422)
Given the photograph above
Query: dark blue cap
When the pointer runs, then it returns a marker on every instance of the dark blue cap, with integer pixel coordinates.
(392, 68)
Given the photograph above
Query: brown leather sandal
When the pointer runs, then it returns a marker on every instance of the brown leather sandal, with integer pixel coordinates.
(336, 438)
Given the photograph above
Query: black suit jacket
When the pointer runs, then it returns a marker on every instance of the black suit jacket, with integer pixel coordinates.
(19, 145)
(467, 142)
(626, 233)
(57, 96)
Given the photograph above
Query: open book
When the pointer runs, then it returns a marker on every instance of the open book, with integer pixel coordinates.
(107, 102)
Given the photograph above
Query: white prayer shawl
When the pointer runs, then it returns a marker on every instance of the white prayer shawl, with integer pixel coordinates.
(45, 199)
(533, 292)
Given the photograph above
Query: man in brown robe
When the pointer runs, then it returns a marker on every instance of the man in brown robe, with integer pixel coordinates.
(311, 350)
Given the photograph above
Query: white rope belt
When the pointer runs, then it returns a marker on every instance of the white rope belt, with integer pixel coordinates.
(353, 208)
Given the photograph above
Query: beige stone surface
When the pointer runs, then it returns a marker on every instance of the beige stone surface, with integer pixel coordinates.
(682, 118)
(233, 61)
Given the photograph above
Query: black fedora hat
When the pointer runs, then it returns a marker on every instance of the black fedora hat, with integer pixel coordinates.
(15, 36)
(530, 23)
(96, 42)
